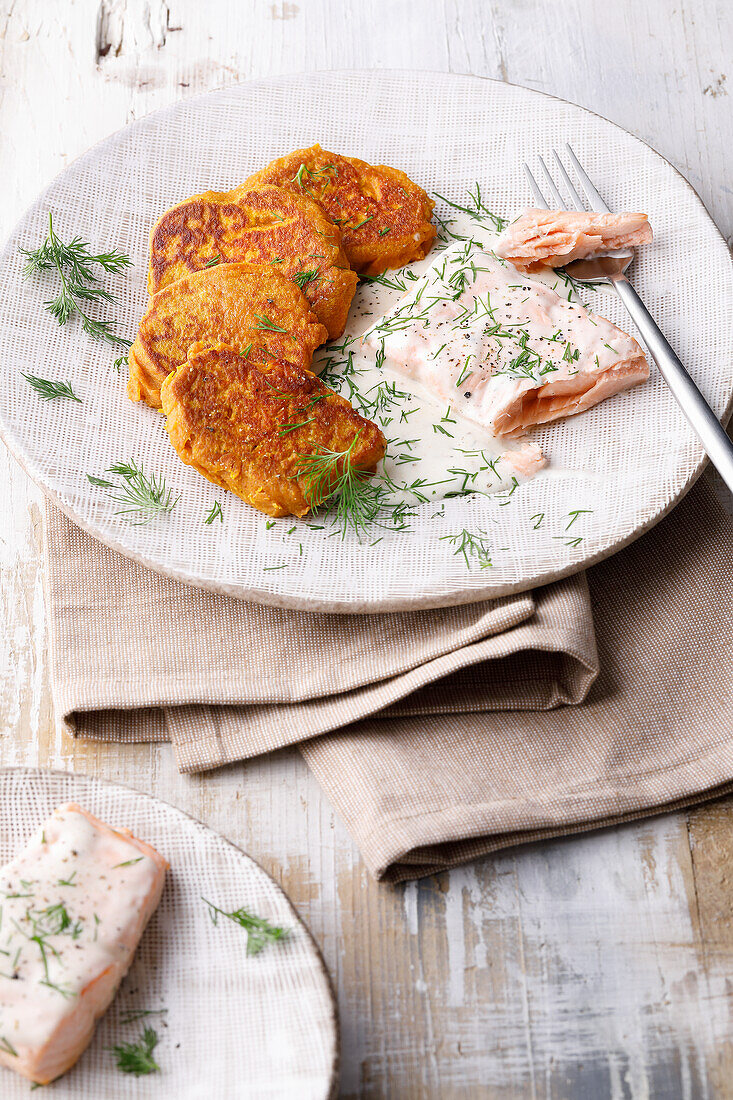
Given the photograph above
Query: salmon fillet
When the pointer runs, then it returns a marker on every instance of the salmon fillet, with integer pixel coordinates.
(75, 903)
(504, 351)
(557, 237)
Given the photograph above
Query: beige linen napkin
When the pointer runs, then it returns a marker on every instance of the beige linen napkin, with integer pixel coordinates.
(456, 741)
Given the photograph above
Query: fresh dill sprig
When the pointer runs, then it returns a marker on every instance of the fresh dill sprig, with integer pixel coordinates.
(302, 278)
(266, 325)
(143, 496)
(471, 545)
(476, 208)
(331, 476)
(137, 1058)
(259, 931)
(313, 173)
(75, 256)
(75, 263)
(132, 1015)
(50, 390)
(7, 1046)
(215, 513)
(572, 516)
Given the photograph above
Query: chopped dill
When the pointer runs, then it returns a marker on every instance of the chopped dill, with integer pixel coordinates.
(215, 513)
(288, 428)
(302, 278)
(477, 208)
(572, 516)
(132, 1015)
(266, 325)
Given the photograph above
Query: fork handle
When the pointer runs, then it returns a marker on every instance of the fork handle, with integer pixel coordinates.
(700, 416)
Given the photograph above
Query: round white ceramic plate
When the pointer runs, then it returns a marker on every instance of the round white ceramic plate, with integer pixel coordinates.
(237, 1027)
(613, 471)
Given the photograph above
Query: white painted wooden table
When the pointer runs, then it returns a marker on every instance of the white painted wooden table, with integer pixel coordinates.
(587, 968)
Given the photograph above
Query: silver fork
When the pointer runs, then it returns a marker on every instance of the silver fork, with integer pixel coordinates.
(610, 269)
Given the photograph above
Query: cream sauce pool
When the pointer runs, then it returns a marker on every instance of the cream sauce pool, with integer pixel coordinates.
(433, 451)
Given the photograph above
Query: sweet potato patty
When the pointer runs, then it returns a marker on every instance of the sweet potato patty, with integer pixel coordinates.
(383, 216)
(241, 304)
(265, 225)
(250, 430)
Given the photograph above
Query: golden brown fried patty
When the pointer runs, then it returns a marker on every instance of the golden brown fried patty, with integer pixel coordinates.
(266, 225)
(238, 303)
(383, 216)
(249, 430)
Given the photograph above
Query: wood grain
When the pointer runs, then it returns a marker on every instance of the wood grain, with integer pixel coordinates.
(591, 967)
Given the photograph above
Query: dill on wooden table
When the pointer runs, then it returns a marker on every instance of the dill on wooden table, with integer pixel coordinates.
(75, 265)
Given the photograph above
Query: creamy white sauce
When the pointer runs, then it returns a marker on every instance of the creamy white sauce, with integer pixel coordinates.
(433, 450)
(70, 907)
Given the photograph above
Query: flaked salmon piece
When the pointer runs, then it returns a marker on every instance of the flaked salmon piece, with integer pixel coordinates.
(526, 461)
(503, 350)
(74, 903)
(557, 237)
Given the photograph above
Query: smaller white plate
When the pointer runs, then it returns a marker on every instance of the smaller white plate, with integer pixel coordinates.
(259, 1027)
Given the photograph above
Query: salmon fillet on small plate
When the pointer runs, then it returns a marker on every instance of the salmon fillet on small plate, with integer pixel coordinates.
(505, 351)
(554, 238)
(74, 903)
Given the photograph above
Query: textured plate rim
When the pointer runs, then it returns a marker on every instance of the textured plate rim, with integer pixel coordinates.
(27, 770)
(457, 596)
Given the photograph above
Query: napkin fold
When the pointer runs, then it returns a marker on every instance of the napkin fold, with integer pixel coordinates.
(438, 735)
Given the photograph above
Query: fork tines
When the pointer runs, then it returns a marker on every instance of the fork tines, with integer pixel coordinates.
(577, 202)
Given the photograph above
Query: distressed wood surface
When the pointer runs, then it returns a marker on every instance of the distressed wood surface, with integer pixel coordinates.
(587, 968)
